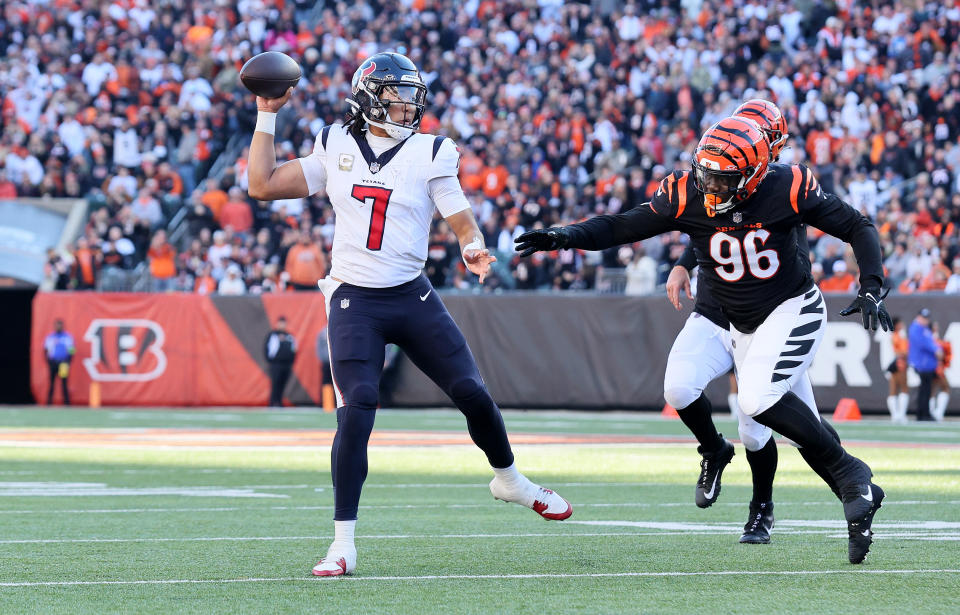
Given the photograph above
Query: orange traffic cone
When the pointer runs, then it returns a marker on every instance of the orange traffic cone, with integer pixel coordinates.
(669, 412)
(94, 394)
(847, 410)
(329, 401)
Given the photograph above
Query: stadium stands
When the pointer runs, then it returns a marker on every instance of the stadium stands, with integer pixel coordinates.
(562, 110)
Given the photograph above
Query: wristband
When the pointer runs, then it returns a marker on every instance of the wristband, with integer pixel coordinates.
(266, 122)
(473, 245)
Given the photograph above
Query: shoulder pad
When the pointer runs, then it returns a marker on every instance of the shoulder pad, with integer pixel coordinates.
(802, 183)
(672, 195)
(327, 137)
(321, 140)
(445, 157)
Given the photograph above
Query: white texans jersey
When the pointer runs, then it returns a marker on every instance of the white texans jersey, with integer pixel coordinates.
(382, 203)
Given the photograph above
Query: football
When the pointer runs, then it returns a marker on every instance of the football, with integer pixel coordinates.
(269, 74)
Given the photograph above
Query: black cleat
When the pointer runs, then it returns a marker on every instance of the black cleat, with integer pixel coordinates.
(711, 467)
(759, 524)
(859, 509)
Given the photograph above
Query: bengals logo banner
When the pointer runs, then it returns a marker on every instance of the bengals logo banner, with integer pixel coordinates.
(125, 350)
(178, 349)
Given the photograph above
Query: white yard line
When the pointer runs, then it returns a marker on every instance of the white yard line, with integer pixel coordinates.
(328, 537)
(50, 489)
(909, 530)
(380, 537)
(493, 577)
(476, 485)
(218, 509)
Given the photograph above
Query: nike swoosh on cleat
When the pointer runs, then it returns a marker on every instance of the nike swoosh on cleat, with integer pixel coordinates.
(713, 488)
(866, 533)
(424, 297)
(869, 496)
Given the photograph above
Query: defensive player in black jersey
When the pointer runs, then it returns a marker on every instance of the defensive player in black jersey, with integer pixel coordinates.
(743, 216)
(703, 352)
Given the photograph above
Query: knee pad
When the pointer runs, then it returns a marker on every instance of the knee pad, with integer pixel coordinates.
(467, 388)
(753, 402)
(363, 397)
(680, 396)
(749, 402)
(754, 435)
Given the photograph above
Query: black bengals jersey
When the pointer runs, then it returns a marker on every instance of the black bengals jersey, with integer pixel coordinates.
(705, 304)
(749, 257)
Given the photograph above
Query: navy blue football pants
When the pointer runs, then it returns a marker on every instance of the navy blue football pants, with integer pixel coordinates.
(361, 322)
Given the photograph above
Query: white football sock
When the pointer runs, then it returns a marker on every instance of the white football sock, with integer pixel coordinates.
(510, 475)
(343, 533)
(519, 485)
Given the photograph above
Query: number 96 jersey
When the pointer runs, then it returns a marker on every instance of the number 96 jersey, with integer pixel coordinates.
(382, 203)
(748, 256)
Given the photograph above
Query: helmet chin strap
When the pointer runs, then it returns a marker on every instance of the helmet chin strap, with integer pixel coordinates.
(724, 206)
(396, 132)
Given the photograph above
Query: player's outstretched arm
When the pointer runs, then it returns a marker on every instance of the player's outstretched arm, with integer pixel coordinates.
(476, 256)
(542, 240)
(267, 181)
(597, 233)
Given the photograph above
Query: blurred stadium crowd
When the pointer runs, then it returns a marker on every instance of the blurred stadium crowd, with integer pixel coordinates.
(562, 110)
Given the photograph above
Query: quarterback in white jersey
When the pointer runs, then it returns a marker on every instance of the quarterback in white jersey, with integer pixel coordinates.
(384, 180)
(384, 194)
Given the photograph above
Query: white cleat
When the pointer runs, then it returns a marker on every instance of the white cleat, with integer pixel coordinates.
(542, 501)
(338, 562)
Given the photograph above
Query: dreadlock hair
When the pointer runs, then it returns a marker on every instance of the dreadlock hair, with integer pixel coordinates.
(353, 120)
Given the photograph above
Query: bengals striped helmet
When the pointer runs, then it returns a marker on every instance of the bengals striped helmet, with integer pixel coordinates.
(730, 162)
(771, 121)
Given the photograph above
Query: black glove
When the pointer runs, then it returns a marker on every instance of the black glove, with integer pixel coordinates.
(870, 305)
(542, 240)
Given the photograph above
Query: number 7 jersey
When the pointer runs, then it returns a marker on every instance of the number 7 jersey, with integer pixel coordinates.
(382, 203)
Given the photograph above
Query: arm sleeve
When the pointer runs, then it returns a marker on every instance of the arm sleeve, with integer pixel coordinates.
(447, 194)
(315, 165)
(803, 245)
(830, 214)
(604, 232)
(687, 260)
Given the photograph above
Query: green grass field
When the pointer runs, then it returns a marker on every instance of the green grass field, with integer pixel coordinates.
(111, 511)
